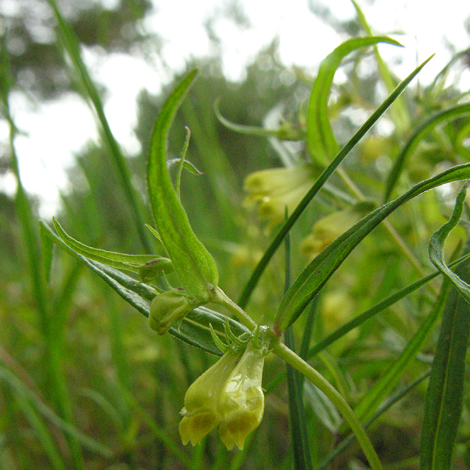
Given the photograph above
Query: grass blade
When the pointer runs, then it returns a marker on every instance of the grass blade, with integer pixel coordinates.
(297, 419)
(389, 380)
(436, 246)
(34, 419)
(377, 308)
(388, 404)
(418, 135)
(56, 420)
(444, 397)
(71, 45)
(399, 112)
(445, 392)
(38, 264)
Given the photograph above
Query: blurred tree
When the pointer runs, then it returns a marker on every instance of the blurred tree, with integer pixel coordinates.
(37, 63)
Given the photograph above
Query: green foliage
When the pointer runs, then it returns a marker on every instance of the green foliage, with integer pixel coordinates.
(86, 384)
(322, 267)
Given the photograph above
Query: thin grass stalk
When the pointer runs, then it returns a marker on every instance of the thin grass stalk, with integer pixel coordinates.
(220, 174)
(159, 433)
(71, 45)
(56, 383)
(380, 411)
(377, 308)
(297, 419)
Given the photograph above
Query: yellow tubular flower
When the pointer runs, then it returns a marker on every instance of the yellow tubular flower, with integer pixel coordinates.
(277, 188)
(201, 411)
(242, 400)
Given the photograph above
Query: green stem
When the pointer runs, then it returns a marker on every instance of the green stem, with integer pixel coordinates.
(319, 381)
(231, 306)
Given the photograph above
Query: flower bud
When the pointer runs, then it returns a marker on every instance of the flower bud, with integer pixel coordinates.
(166, 309)
(201, 411)
(242, 400)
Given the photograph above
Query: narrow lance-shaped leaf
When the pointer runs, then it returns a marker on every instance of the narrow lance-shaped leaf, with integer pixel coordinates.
(297, 418)
(286, 131)
(377, 308)
(385, 407)
(443, 407)
(315, 275)
(391, 377)
(321, 140)
(193, 264)
(71, 45)
(133, 263)
(436, 243)
(399, 113)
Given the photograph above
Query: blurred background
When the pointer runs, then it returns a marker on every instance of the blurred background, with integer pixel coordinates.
(83, 382)
(136, 47)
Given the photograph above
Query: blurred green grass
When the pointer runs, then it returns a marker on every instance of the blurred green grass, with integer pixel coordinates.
(85, 384)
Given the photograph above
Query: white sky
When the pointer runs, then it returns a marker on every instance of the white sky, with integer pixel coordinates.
(303, 41)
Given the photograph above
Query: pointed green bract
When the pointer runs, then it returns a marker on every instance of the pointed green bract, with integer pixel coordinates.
(133, 263)
(193, 264)
(195, 329)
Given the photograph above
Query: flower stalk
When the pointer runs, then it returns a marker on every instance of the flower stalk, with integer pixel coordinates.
(319, 381)
(222, 299)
